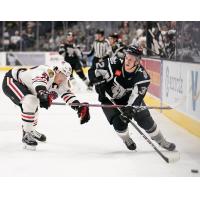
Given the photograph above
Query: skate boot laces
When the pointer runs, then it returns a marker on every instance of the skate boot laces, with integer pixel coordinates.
(29, 139)
(36, 134)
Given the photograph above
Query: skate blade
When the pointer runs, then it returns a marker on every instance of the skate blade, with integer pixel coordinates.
(41, 141)
(29, 147)
(89, 89)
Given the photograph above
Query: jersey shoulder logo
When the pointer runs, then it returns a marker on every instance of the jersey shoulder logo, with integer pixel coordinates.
(50, 73)
(113, 60)
(118, 73)
(142, 90)
(54, 95)
(145, 74)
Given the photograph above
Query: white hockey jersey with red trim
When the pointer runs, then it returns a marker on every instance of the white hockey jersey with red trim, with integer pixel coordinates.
(44, 76)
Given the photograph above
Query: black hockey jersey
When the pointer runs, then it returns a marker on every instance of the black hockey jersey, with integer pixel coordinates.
(125, 88)
(71, 53)
(118, 50)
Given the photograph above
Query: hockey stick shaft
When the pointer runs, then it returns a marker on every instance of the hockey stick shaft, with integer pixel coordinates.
(112, 106)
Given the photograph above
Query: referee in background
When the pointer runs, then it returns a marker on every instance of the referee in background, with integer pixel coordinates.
(101, 48)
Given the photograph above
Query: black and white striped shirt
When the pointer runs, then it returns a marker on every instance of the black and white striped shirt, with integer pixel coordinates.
(101, 49)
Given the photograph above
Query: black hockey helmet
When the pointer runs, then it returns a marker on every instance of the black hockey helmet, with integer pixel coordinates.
(134, 50)
(100, 31)
(114, 35)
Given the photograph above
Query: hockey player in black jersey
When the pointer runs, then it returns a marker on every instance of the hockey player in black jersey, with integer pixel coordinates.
(118, 49)
(126, 83)
(100, 50)
(73, 55)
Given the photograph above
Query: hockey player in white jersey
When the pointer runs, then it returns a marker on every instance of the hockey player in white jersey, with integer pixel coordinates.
(30, 88)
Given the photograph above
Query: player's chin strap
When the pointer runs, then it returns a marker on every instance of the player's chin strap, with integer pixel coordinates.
(167, 159)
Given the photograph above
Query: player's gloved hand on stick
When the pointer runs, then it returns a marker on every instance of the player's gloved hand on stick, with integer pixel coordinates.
(100, 89)
(45, 98)
(128, 112)
(83, 113)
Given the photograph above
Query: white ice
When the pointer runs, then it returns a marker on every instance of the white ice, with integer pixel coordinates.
(92, 149)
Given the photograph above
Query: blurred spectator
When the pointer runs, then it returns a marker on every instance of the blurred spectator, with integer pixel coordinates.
(45, 45)
(52, 44)
(160, 39)
(6, 41)
(124, 33)
(30, 37)
(15, 41)
(59, 38)
(169, 39)
(140, 40)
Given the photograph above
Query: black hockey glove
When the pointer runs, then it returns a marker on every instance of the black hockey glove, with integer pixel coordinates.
(45, 98)
(101, 90)
(128, 112)
(83, 113)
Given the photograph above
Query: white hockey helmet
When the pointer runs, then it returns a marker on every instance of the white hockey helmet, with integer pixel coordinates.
(65, 68)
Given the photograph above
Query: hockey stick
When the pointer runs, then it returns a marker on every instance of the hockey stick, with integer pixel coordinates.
(113, 106)
(165, 158)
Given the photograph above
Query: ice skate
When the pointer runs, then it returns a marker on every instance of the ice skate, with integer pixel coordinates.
(38, 136)
(29, 142)
(163, 142)
(130, 144)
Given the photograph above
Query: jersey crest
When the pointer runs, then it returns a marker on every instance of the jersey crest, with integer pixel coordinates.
(50, 73)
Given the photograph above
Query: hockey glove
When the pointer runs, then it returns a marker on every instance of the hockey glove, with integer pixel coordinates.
(45, 99)
(101, 72)
(128, 112)
(83, 113)
(101, 90)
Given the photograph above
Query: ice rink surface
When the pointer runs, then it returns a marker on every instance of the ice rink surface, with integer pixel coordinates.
(92, 149)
